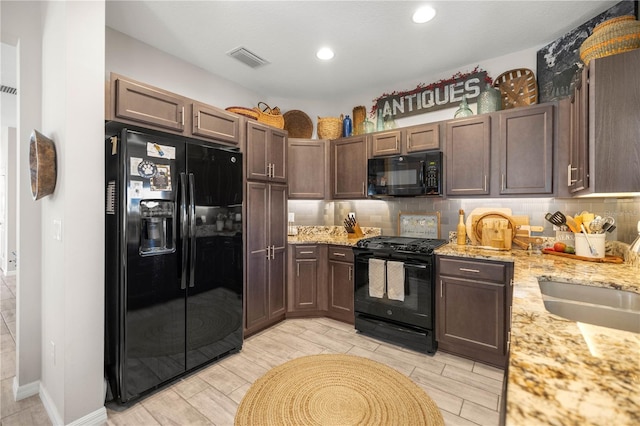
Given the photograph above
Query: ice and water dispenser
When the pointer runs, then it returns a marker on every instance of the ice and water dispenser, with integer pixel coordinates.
(157, 234)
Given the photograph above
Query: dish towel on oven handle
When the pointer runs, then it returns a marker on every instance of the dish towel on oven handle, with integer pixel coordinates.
(377, 277)
(395, 280)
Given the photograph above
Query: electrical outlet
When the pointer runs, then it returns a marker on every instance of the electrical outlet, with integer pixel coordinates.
(351, 215)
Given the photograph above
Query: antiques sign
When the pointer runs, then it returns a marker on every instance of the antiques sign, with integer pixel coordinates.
(434, 97)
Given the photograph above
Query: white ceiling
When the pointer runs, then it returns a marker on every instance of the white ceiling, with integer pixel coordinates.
(376, 43)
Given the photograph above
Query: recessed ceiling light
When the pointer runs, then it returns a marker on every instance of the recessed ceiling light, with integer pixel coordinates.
(325, 54)
(424, 14)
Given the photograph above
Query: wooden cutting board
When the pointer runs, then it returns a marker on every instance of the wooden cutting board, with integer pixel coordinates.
(606, 259)
(477, 212)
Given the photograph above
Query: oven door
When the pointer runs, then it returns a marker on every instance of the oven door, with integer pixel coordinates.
(417, 307)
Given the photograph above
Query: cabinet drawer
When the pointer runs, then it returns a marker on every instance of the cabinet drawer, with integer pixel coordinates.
(306, 252)
(344, 254)
(487, 271)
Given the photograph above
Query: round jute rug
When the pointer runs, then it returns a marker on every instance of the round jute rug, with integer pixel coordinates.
(335, 390)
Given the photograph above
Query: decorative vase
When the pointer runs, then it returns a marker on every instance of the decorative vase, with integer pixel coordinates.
(464, 110)
(347, 127)
(380, 121)
(489, 100)
(389, 122)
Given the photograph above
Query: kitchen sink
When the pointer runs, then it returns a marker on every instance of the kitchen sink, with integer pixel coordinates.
(606, 307)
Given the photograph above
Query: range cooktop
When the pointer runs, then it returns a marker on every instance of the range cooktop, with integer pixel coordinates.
(401, 244)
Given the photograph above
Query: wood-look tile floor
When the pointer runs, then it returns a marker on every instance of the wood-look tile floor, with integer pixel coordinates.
(468, 393)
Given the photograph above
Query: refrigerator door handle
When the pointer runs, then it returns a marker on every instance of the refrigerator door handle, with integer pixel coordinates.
(184, 228)
(192, 230)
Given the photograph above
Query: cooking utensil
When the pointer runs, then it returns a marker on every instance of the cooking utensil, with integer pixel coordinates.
(571, 223)
(557, 218)
(593, 251)
(473, 217)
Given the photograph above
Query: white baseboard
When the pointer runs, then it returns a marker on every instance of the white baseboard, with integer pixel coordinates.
(50, 407)
(25, 391)
(98, 417)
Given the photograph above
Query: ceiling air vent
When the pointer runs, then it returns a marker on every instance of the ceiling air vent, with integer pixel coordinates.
(247, 57)
(9, 90)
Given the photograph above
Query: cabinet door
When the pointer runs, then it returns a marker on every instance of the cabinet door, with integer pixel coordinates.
(468, 156)
(341, 291)
(349, 167)
(472, 318)
(526, 150)
(614, 127)
(277, 155)
(277, 225)
(423, 137)
(258, 167)
(148, 105)
(256, 293)
(266, 153)
(386, 143)
(578, 169)
(214, 123)
(305, 291)
(307, 165)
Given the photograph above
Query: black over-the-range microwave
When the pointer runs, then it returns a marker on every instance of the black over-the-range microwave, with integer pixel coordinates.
(405, 175)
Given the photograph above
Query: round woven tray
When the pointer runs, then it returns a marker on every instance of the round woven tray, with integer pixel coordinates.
(517, 87)
(336, 390)
(613, 36)
(298, 124)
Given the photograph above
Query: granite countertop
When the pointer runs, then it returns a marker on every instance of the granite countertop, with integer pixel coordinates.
(336, 235)
(561, 372)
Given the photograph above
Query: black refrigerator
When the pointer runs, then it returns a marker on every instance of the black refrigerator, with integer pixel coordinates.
(174, 258)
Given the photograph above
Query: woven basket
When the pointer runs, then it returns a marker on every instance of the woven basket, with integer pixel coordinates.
(613, 36)
(247, 112)
(298, 124)
(359, 115)
(329, 127)
(270, 116)
(517, 87)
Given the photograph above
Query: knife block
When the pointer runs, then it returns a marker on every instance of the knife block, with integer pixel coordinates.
(357, 232)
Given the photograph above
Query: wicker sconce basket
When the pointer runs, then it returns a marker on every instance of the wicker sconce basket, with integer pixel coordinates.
(42, 162)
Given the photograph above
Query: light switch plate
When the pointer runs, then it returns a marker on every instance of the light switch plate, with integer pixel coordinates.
(57, 230)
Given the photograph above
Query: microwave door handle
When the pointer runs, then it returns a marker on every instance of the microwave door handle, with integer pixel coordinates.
(422, 174)
(184, 225)
(192, 231)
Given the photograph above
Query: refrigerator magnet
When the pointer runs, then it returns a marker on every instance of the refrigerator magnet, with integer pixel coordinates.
(161, 151)
(147, 169)
(136, 188)
(161, 181)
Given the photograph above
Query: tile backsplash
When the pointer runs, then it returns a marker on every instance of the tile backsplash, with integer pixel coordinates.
(384, 214)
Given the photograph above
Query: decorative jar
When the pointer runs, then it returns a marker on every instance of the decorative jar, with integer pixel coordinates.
(464, 110)
(489, 100)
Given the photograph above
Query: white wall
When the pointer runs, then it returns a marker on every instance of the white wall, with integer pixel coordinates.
(73, 281)
(8, 166)
(60, 284)
(21, 28)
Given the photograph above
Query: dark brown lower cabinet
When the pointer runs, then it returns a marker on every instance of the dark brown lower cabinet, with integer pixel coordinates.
(306, 278)
(340, 282)
(473, 308)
